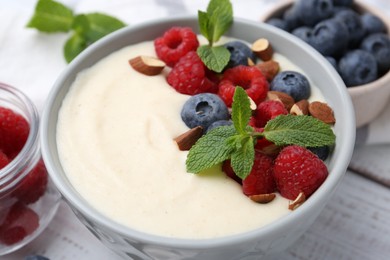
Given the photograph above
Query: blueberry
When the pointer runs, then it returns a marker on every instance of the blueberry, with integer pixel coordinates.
(347, 3)
(372, 24)
(279, 23)
(332, 61)
(330, 37)
(204, 109)
(304, 33)
(322, 152)
(357, 67)
(313, 11)
(293, 83)
(239, 54)
(290, 16)
(378, 44)
(35, 257)
(354, 25)
(219, 123)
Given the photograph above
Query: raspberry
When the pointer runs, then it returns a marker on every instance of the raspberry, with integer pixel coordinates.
(14, 130)
(249, 78)
(19, 222)
(190, 76)
(268, 110)
(296, 169)
(175, 43)
(228, 170)
(33, 186)
(267, 147)
(3, 160)
(260, 180)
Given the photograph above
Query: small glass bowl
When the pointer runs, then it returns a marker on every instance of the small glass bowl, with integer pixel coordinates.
(27, 204)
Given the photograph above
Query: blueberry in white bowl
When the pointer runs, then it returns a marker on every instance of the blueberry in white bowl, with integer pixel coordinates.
(362, 21)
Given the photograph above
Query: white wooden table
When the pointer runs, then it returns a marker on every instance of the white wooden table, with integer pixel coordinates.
(355, 224)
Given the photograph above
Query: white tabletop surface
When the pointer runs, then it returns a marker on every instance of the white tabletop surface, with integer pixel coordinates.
(355, 224)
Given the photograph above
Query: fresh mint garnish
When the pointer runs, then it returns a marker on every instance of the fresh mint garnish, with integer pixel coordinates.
(302, 130)
(212, 25)
(53, 17)
(236, 142)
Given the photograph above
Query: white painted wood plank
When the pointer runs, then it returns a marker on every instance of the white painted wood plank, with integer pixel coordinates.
(354, 225)
(372, 161)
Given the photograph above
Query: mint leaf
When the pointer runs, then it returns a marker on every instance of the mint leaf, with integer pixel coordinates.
(210, 149)
(241, 111)
(212, 25)
(220, 14)
(300, 130)
(243, 158)
(51, 16)
(215, 58)
(74, 46)
(204, 24)
(101, 25)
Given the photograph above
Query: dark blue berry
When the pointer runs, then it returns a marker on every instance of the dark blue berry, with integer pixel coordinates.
(304, 33)
(313, 11)
(239, 54)
(204, 109)
(293, 83)
(36, 257)
(332, 61)
(357, 67)
(291, 17)
(354, 25)
(322, 152)
(378, 44)
(279, 23)
(347, 3)
(372, 24)
(219, 123)
(330, 37)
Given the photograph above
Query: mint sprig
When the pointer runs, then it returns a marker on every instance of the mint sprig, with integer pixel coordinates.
(53, 17)
(212, 25)
(236, 142)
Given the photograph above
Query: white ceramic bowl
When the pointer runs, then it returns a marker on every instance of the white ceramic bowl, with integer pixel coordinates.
(369, 99)
(272, 238)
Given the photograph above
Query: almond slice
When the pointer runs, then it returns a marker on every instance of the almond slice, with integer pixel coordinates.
(269, 69)
(299, 200)
(322, 112)
(286, 99)
(263, 198)
(186, 140)
(263, 49)
(300, 108)
(147, 65)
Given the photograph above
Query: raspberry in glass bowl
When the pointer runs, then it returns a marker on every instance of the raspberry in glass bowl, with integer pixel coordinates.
(28, 201)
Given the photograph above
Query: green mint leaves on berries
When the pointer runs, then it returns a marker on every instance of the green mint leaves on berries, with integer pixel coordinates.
(236, 142)
(213, 24)
(53, 17)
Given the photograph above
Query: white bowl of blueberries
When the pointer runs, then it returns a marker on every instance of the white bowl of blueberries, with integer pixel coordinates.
(353, 37)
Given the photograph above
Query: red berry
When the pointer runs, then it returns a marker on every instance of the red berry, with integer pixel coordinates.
(267, 147)
(228, 170)
(190, 76)
(268, 110)
(260, 180)
(3, 160)
(33, 186)
(249, 78)
(297, 169)
(18, 222)
(14, 130)
(175, 43)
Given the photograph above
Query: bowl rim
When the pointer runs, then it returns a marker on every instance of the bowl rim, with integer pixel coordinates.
(82, 206)
(360, 6)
